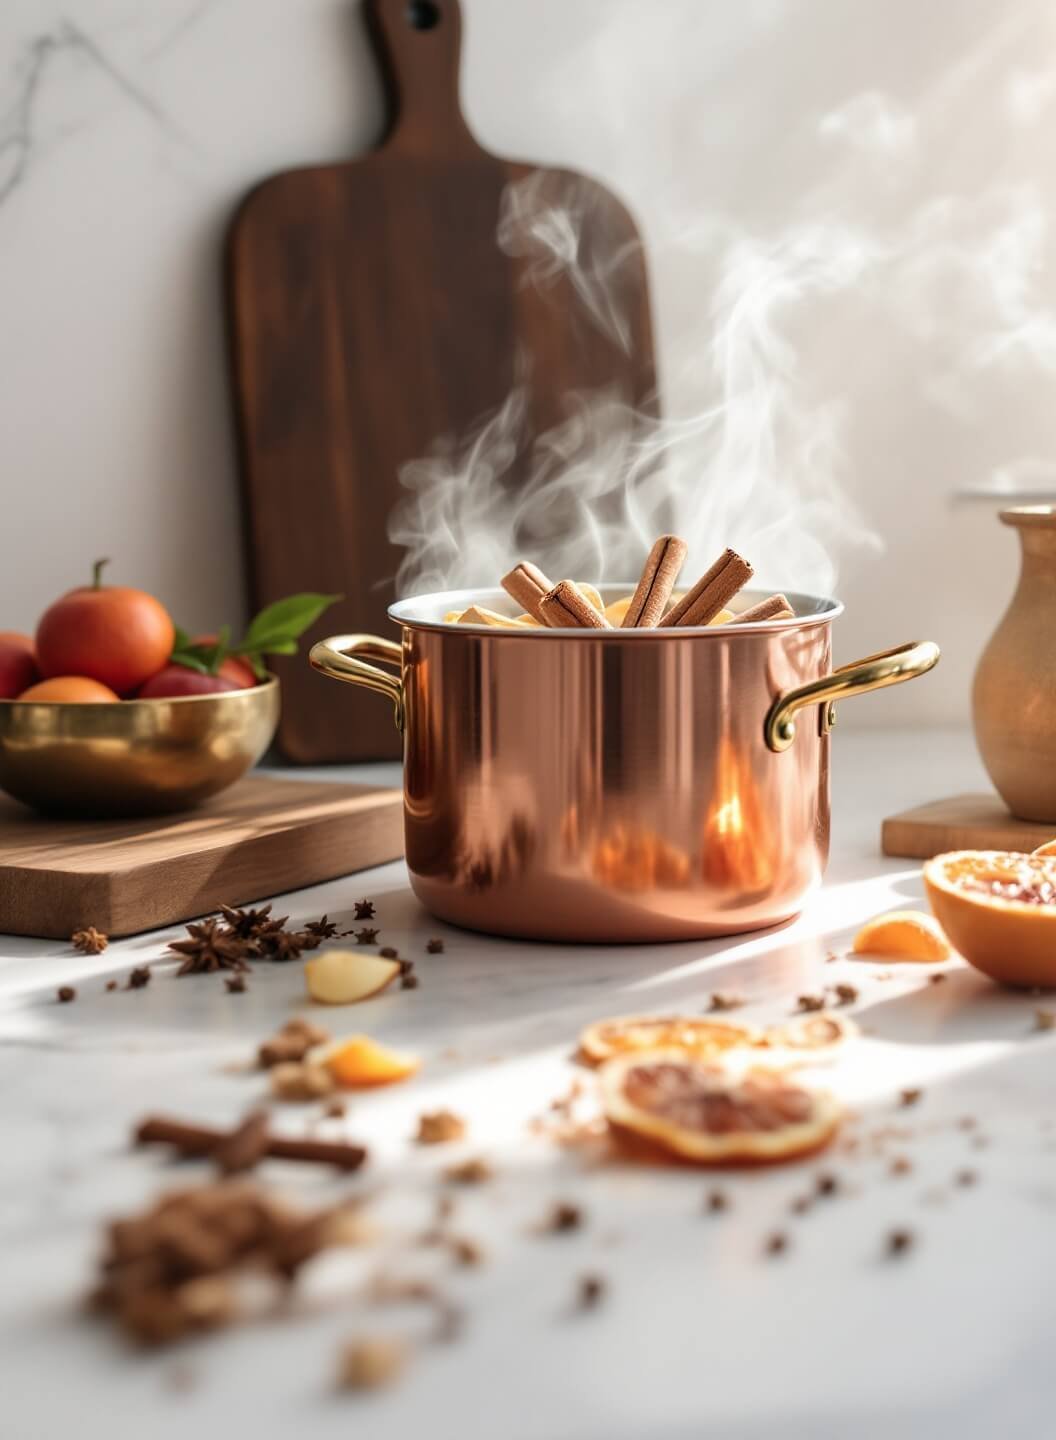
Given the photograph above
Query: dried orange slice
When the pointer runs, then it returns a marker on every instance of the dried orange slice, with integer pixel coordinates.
(360, 1062)
(714, 1116)
(903, 935)
(810, 1038)
(999, 909)
(689, 1034)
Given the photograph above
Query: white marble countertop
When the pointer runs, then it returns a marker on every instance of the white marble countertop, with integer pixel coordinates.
(699, 1332)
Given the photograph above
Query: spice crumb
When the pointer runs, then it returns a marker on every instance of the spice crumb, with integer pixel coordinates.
(334, 1110)
(809, 1003)
(470, 1172)
(65, 993)
(900, 1165)
(111, 984)
(235, 984)
(965, 1178)
(465, 1251)
(563, 1217)
(910, 1096)
(801, 1204)
(967, 1122)
(363, 910)
(371, 1363)
(89, 941)
(716, 1201)
(939, 978)
(366, 935)
(827, 1184)
(293, 1080)
(437, 1127)
(435, 946)
(590, 1291)
(777, 1243)
(899, 1241)
(138, 977)
(409, 982)
(845, 994)
(725, 1000)
(389, 952)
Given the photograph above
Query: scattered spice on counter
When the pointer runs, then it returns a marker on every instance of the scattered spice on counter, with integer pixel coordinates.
(389, 952)
(409, 982)
(284, 945)
(246, 924)
(295, 1081)
(291, 1043)
(939, 978)
(406, 966)
(725, 1000)
(470, 1172)
(464, 1251)
(89, 941)
(899, 1241)
(65, 993)
(716, 1201)
(562, 1218)
(965, 1178)
(776, 1244)
(809, 1003)
(845, 994)
(138, 977)
(323, 929)
(435, 946)
(170, 1270)
(900, 1165)
(372, 1363)
(200, 1141)
(364, 910)
(909, 1097)
(334, 1110)
(367, 935)
(801, 1204)
(590, 1291)
(437, 1127)
(111, 985)
(980, 1142)
(235, 984)
(1045, 1019)
(210, 946)
(827, 1184)
(831, 957)
(967, 1122)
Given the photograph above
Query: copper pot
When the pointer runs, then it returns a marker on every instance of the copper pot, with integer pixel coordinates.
(614, 785)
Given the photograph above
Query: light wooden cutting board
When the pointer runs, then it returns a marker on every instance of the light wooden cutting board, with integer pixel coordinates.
(963, 822)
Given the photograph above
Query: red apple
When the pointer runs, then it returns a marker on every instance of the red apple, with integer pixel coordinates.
(233, 667)
(177, 680)
(18, 664)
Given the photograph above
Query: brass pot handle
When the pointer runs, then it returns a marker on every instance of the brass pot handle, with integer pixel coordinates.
(875, 672)
(336, 657)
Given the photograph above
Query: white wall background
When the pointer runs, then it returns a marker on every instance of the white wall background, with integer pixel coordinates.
(889, 165)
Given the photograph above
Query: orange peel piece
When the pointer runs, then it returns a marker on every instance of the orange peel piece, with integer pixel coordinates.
(903, 935)
(1049, 848)
(358, 1063)
(710, 1115)
(999, 909)
(688, 1034)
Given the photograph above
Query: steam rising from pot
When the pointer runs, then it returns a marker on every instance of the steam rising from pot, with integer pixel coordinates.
(770, 377)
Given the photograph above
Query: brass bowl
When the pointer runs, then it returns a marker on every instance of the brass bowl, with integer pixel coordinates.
(133, 757)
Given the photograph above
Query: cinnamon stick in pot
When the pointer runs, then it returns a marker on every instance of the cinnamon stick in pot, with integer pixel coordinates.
(715, 588)
(566, 607)
(776, 607)
(527, 584)
(658, 580)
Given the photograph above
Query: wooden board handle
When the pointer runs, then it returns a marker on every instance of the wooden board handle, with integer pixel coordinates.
(418, 43)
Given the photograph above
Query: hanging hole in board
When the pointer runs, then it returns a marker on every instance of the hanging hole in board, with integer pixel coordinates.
(423, 14)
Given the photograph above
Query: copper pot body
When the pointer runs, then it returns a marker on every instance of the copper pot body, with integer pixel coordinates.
(1014, 693)
(604, 786)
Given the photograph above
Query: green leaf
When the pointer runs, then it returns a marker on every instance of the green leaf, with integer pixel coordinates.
(181, 641)
(190, 661)
(277, 628)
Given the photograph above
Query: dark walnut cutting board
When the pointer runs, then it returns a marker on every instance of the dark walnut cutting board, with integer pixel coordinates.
(262, 837)
(372, 312)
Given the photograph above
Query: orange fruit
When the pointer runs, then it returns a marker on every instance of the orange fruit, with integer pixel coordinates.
(712, 1116)
(360, 1062)
(70, 690)
(688, 1034)
(999, 909)
(809, 1038)
(114, 634)
(903, 935)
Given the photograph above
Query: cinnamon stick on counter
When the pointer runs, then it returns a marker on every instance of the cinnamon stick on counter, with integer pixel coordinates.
(712, 591)
(774, 608)
(658, 580)
(241, 1148)
(527, 584)
(566, 607)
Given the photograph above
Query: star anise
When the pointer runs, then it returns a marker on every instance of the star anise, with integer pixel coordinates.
(364, 910)
(285, 944)
(323, 929)
(247, 924)
(435, 946)
(367, 935)
(209, 946)
(89, 941)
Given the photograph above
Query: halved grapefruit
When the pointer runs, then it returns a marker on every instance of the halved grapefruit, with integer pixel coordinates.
(709, 1115)
(998, 908)
(688, 1034)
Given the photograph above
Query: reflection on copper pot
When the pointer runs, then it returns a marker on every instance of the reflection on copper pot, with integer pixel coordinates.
(622, 785)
